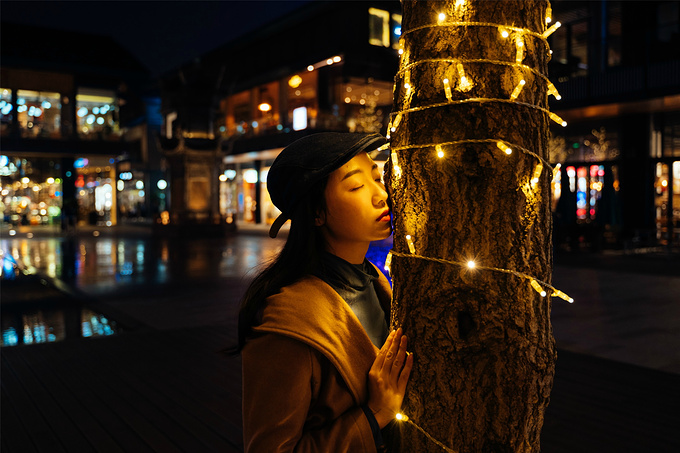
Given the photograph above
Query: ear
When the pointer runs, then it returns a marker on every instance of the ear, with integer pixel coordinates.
(320, 219)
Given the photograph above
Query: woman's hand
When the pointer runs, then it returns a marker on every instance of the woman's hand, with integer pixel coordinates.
(388, 377)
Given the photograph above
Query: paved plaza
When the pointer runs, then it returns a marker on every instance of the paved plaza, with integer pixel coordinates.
(163, 384)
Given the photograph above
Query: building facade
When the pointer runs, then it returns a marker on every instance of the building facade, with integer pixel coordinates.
(330, 67)
(326, 67)
(616, 65)
(76, 130)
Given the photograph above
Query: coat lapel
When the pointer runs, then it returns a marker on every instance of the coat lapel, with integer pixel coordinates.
(312, 312)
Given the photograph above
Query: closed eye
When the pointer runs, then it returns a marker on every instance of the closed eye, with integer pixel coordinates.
(356, 188)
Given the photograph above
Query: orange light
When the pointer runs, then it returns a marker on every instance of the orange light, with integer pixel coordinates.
(264, 107)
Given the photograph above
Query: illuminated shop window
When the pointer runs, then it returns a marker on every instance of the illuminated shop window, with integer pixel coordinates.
(6, 111)
(366, 104)
(302, 101)
(238, 115)
(39, 114)
(267, 116)
(396, 30)
(97, 115)
(378, 27)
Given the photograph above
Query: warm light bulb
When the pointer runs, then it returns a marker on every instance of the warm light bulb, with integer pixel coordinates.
(505, 148)
(411, 247)
(440, 151)
(557, 119)
(465, 84)
(441, 17)
(552, 29)
(447, 90)
(401, 417)
(561, 295)
(517, 90)
(388, 262)
(537, 287)
(548, 14)
(552, 91)
(519, 43)
(537, 173)
(504, 32)
(395, 123)
(471, 264)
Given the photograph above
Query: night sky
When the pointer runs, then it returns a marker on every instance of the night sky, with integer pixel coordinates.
(161, 34)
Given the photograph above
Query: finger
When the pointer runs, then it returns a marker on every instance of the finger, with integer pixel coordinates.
(392, 351)
(380, 358)
(399, 359)
(405, 373)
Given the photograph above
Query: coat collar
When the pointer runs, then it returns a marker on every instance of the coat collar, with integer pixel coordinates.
(313, 313)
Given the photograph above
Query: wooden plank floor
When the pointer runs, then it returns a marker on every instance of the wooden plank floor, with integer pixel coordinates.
(173, 391)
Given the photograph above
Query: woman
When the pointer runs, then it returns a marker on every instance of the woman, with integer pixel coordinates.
(320, 372)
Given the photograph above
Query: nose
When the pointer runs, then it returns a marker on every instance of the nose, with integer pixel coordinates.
(379, 195)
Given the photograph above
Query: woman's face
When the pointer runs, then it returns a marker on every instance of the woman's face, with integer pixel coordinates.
(356, 207)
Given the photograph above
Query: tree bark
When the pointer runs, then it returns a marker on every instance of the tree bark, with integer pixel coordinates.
(482, 339)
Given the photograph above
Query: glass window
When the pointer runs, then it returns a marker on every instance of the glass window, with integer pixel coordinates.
(267, 116)
(238, 114)
(302, 100)
(396, 30)
(367, 103)
(570, 42)
(614, 32)
(97, 114)
(671, 136)
(599, 145)
(39, 113)
(378, 27)
(6, 111)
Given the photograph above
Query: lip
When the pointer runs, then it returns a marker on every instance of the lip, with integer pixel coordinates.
(384, 217)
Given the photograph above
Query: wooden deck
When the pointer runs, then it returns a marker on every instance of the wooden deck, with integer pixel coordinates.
(172, 391)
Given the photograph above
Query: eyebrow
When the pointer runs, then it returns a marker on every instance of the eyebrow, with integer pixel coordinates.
(355, 171)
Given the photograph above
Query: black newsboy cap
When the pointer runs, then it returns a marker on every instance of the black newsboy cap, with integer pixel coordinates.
(306, 161)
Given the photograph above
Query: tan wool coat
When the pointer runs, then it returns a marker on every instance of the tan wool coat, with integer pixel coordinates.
(305, 373)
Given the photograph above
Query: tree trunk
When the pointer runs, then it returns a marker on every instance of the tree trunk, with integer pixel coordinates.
(482, 338)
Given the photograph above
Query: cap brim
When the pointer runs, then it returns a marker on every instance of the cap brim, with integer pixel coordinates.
(276, 226)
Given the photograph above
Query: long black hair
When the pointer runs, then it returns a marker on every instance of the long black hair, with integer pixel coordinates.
(299, 257)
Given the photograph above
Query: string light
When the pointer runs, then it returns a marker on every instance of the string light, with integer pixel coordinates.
(411, 247)
(537, 173)
(537, 287)
(557, 119)
(517, 90)
(395, 165)
(519, 44)
(552, 29)
(555, 292)
(552, 91)
(505, 148)
(465, 85)
(482, 140)
(561, 295)
(401, 417)
(447, 90)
